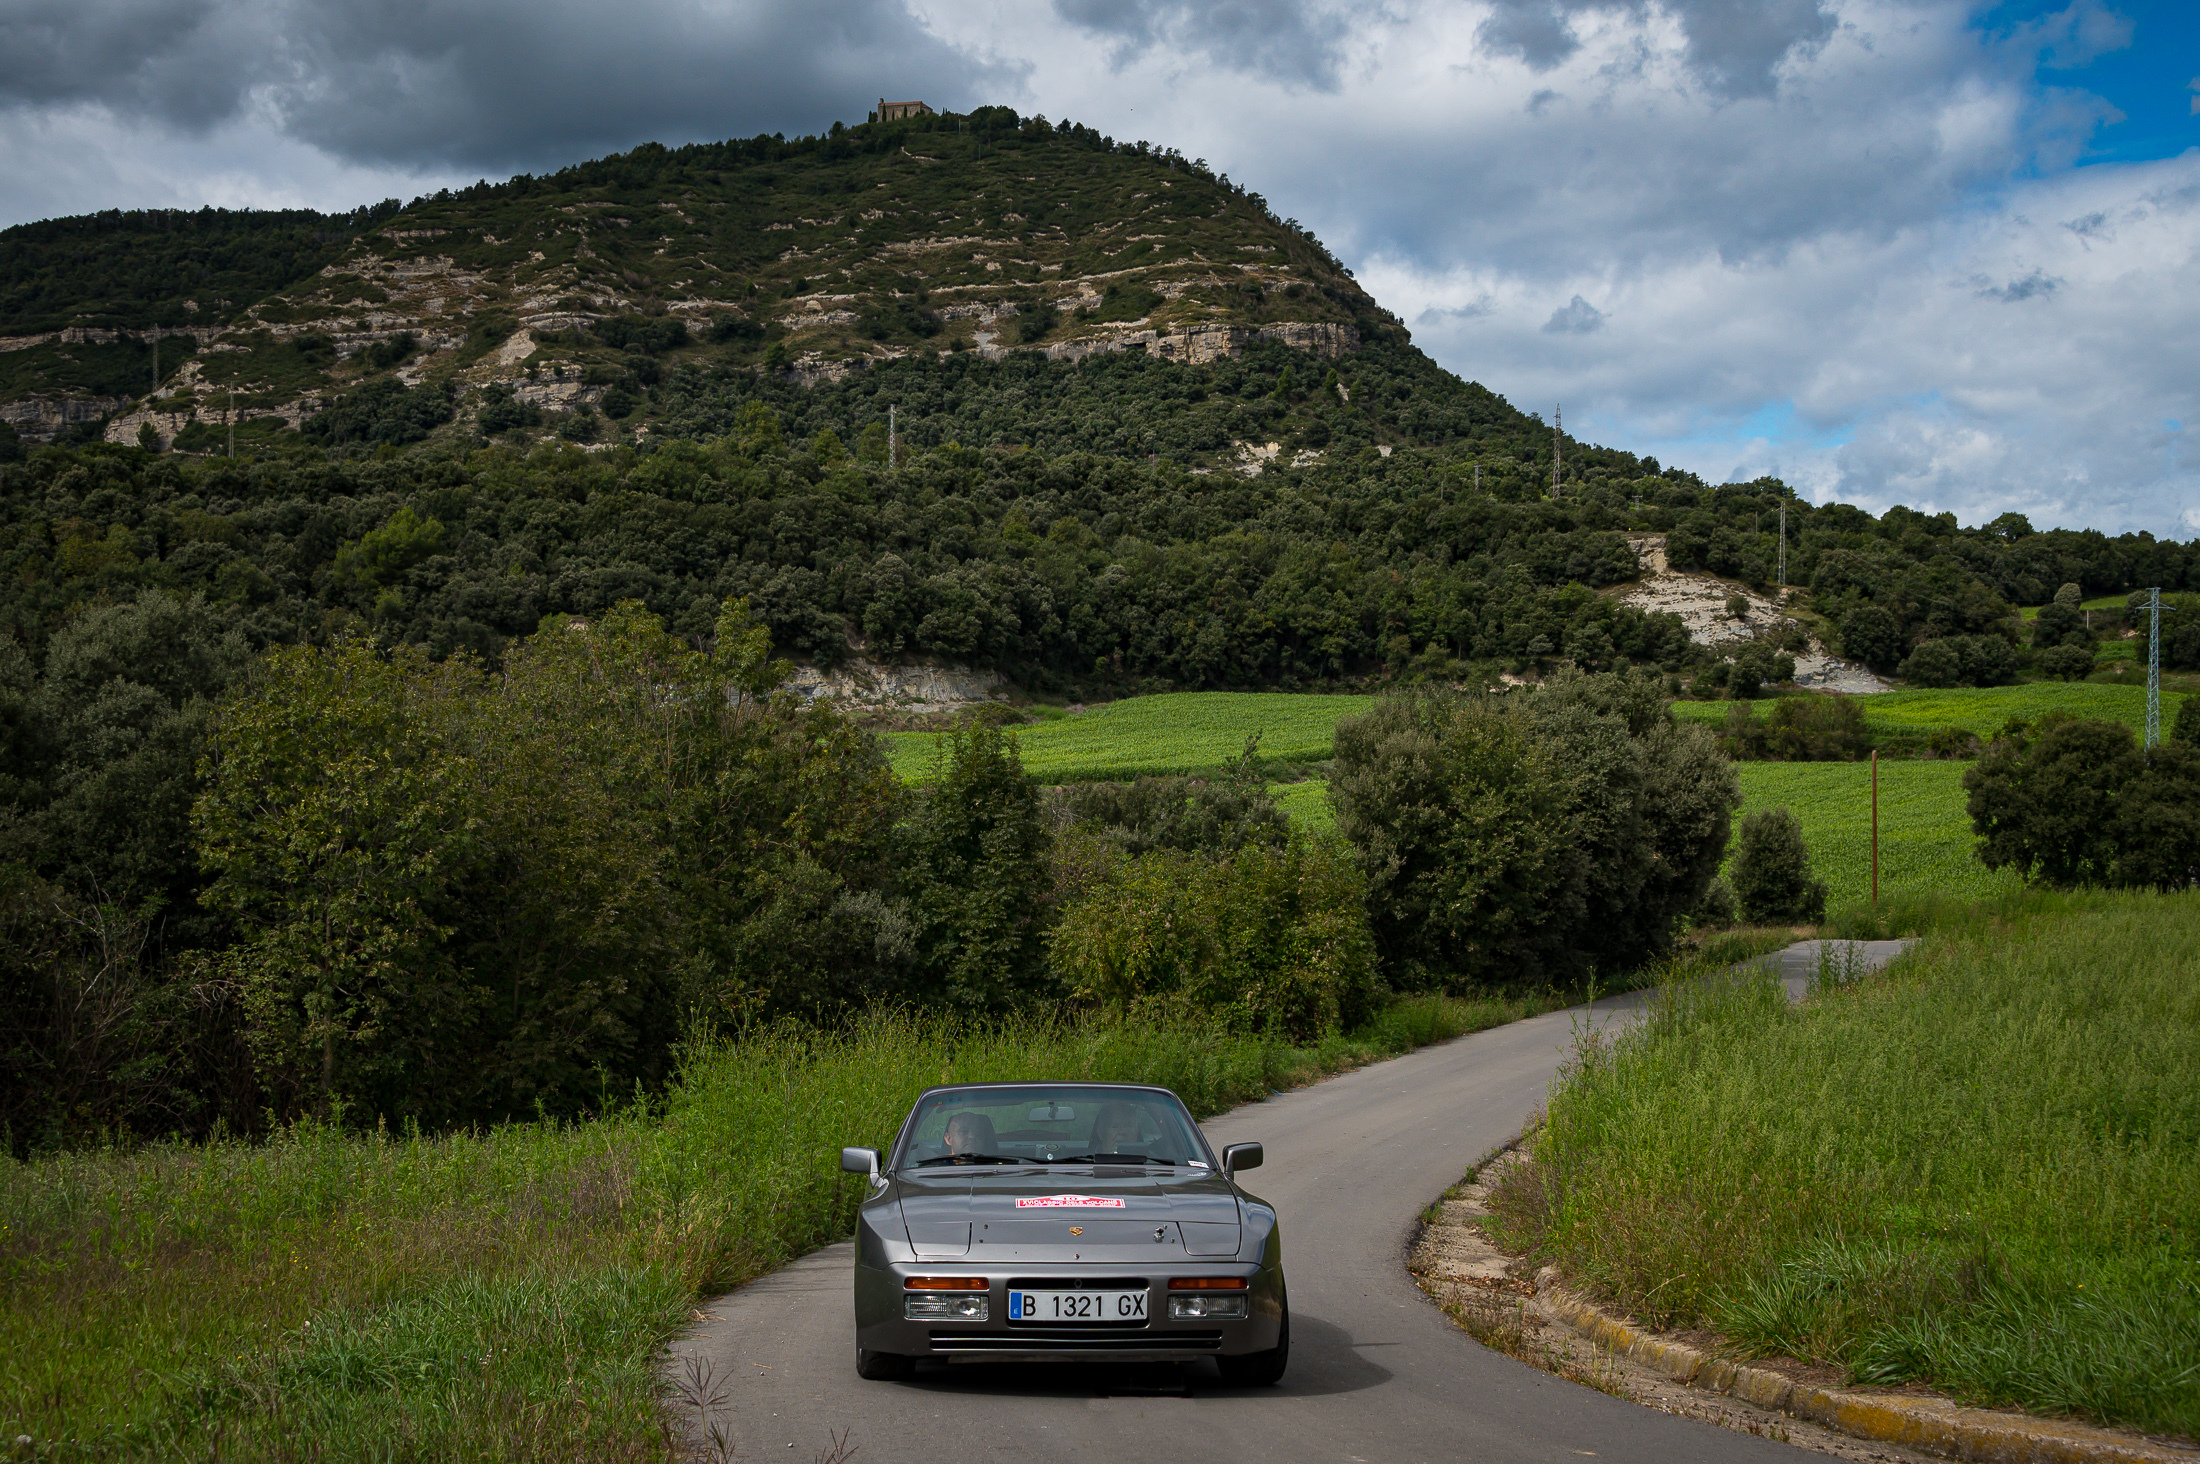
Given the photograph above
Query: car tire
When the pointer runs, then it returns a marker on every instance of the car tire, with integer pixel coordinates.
(884, 1367)
(1260, 1369)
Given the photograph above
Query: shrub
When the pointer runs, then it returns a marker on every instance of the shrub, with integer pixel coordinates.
(2060, 624)
(1933, 663)
(973, 855)
(1268, 937)
(1717, 909)
(1218, 815)
(1565, 831)
(1873, 636)
(1771, 871)
(2065, 663)
(2083, 805)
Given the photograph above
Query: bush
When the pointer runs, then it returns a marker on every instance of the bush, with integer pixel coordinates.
(1717, 909)
(1216, 815)
(1771, 871)
(973, 853)
(1934, 663)
(1811, 728)
(1873, 636)
(2060, 624)
(2065, 663)
(1267, 937)
(2083, 805)
(382, 411)
(1538, 838)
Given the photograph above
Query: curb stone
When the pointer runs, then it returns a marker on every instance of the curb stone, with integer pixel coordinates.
(1454, 1250)
(1931, 1424)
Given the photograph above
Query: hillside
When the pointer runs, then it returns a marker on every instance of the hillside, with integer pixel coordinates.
(586, 288)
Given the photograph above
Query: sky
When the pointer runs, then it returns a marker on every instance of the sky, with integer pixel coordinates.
(1892, 251)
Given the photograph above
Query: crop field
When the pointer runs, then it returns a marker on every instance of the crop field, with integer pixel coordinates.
(1180, 732)
(1306, 804)
(1925, 838)
(1983, 710)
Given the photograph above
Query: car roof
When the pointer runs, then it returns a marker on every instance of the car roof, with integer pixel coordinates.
(1045, 1083)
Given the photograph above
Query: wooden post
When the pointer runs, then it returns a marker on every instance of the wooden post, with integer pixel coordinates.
(1875, 828)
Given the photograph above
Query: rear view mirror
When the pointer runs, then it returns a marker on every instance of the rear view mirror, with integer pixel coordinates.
(1051, 1113)
(860, 1161)
(1241, 1156)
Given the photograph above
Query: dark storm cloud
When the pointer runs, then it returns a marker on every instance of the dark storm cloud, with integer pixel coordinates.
(1733, 45)
(1281, 40)
(488, 83)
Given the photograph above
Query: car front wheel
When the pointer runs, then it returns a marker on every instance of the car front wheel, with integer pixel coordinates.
(1259, 1369)
(884, 1367)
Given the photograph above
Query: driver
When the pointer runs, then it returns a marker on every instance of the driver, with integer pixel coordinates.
(1115, 1130)
(969, 1135)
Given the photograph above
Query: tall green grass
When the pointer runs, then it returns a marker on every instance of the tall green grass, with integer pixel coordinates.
(1181, 732)
(1983, 710)
(502, 1295)
(1979, 1169)
(1925, 838)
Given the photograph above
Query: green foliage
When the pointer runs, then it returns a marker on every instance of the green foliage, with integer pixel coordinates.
(463, 896)
(1215, 815)
(2060, 624)
(2065, 663)
(379, 556)
(1961, 660)
(1265, 936)
(1181, 732)
(974, 848)
(1771, 874)
(133, 268)
(382, 411)
(1727, 1163)
(2082, 804)
(1806, 728)
(1567, 831)
(507, 1293)
(1984, 711)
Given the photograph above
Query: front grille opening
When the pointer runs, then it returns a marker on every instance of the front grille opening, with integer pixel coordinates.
(1077, 1340)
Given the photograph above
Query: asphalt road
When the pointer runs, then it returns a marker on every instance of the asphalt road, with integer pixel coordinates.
(1377, 1372)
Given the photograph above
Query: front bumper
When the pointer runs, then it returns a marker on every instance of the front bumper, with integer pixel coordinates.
(881, 1327)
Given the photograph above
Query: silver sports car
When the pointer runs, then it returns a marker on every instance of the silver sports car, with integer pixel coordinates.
(1024, 1222)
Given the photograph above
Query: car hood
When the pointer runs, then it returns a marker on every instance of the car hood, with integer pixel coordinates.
(1127, 1216)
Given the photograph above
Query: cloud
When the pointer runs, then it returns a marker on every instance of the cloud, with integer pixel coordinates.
(1734, 47)
(2030, 287)
(1299, 45)
(1576, 317)
(492, 84)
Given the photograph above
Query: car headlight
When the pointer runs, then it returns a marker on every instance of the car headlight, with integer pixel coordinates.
(947, 1308)
(1220, 1308)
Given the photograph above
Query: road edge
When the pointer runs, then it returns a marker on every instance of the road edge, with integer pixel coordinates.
(1454, 1263)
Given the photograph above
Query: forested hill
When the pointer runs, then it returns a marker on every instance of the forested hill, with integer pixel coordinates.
(577, 292)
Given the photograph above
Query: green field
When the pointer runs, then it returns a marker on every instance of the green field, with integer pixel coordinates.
(1976, 1169)
(1306, 804)
(1925, 838)
(1178, 733)
(1983, 710)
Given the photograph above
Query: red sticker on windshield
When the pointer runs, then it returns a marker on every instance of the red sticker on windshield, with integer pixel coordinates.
(1069, 1202)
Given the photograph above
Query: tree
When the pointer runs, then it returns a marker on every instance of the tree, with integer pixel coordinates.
(975, 868)
(1567, 831)
(1933, 663)
(2070, 594)
(1871, 635)
(2065, 663)
(2047, 808)
(1770, 874)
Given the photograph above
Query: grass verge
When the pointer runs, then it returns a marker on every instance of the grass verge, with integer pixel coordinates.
(1979, 1169)
(504, 1295)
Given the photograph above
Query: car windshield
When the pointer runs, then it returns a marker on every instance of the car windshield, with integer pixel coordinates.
(1048, 1123)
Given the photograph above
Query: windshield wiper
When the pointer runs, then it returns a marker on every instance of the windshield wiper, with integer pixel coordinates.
(974, 1159)
(1109, 1159)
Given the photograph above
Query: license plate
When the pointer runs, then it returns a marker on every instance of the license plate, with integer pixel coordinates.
(1077, 1306)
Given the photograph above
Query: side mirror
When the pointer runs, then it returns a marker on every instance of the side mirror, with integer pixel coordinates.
(1241, 1156)
(860, 1161)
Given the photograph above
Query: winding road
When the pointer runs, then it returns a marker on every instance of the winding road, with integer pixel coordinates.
(1377, 1372)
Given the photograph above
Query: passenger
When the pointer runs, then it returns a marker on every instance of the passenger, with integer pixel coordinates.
(970, 1136)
